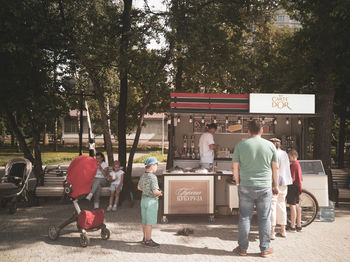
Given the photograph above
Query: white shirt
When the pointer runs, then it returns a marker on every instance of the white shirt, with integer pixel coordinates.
(206, 154)
(285, 177)
(117, 175)
(99, 173)
(91, 146)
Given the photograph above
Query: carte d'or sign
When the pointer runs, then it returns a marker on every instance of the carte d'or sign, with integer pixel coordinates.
(282, 103)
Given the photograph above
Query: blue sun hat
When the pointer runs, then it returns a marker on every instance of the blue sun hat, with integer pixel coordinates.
(151, 161)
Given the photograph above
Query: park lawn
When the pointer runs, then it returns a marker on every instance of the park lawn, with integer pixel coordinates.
(48, 158)
(54, 158)
(156, 154)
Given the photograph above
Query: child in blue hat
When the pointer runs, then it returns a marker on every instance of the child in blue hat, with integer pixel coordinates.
(148, 184)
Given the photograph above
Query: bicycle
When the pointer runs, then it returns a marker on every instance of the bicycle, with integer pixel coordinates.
(309, 208)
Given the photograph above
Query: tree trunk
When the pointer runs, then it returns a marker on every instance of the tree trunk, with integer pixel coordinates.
(20, 137)
(81, 123)
(171, 133)
(38, 167)
(323, 130)
(55, 136)
(104, 117)
(128, 181)
(124, 63)
(12, 138)
(341, 142)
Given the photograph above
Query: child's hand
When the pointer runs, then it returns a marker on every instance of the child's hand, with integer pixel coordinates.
(158, 192)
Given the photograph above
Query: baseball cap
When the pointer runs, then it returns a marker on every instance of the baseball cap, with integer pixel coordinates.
(151, 161)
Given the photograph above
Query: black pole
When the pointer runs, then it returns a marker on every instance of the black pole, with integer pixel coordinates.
(81, 124)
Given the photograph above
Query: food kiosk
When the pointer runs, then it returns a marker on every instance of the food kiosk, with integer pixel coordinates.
(189, 189)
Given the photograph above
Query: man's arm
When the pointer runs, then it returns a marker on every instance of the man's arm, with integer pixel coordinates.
(235, 171)
(275, 175)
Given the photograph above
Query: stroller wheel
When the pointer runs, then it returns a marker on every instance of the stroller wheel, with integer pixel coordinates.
(13, 207)
(84, 240)
(53, 232)
(105, 233)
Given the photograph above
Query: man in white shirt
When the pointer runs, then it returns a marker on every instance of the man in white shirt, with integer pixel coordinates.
(207, 146)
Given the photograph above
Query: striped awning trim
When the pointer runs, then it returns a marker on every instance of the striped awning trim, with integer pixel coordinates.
(209, 103)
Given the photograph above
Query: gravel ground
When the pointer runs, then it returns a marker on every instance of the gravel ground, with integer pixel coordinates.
(23, 237)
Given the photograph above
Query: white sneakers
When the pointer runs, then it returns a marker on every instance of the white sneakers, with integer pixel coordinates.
(110, 208)
(89, 196)
(283, 233)
(272, 236)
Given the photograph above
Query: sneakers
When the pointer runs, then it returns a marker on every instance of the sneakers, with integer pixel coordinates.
(272, 236)
(292, 229)
(96, 205)
(109, 208)
(299, 229)
(283, 234)
(89, 196)
(150, 243)
(267, 253)
(114, 208)
(240, 251)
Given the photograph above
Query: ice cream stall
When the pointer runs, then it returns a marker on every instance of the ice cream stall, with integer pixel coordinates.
(189, 189)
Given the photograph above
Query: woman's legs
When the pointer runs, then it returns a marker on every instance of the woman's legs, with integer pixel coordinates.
(281, 209)
(96, 189)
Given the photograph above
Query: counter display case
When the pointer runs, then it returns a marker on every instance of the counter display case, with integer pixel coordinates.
(315, 180)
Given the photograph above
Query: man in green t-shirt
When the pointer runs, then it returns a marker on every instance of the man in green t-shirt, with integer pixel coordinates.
(255, 169)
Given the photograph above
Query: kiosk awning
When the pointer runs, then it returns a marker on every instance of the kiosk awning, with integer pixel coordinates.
(209, 103)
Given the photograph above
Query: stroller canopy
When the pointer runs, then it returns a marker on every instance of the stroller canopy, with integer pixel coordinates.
(81, 173)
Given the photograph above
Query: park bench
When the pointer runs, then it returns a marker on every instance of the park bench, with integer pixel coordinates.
(339, 180)
(54, 176)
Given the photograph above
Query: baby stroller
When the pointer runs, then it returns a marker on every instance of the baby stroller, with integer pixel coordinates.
(15, 184)
(80, 174)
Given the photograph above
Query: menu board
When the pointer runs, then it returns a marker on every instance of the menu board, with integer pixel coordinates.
(230, 125)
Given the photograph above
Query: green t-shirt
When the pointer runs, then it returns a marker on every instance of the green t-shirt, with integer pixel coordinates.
(254, 156)
(148, 182)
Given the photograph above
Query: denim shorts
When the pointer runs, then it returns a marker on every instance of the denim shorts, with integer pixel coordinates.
(149, 210)
(113, 187)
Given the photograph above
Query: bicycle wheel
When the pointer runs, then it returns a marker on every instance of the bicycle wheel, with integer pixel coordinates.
(309, 208)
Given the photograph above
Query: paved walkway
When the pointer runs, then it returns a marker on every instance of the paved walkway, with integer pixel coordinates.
(23, 237)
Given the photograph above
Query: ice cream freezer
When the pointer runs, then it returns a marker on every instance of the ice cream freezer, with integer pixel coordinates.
(315, 180)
